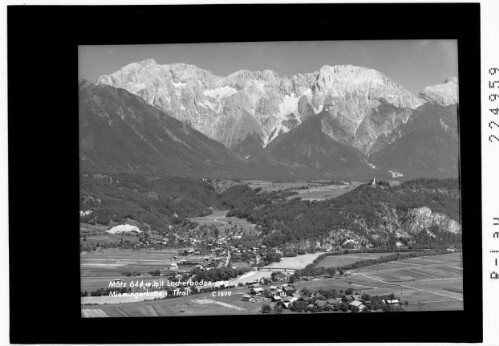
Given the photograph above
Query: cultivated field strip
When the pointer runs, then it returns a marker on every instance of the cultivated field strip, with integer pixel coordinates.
(427, 283)
(184, 306)
(93, 313)
(340, 260)
(453, 294)
(420, 268)
(458, 271)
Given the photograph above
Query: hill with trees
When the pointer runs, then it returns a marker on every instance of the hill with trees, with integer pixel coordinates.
(420, 212)
(153, 202)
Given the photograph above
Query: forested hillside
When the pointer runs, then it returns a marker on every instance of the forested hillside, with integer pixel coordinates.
(417, 212)
(153, 201)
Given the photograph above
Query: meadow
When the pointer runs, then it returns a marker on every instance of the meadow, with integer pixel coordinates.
(429, 283)
(98, 268)
(341, 260)
(199, 304)
(306, 190)
(219, 218)
(321, 193)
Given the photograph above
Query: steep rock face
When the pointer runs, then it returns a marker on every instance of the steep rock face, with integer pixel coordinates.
(309, 146)
(264, 104)
(422, 218)
(443, 94)
(427, 144)
(377, 128)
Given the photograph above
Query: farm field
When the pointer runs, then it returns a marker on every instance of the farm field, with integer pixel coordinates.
(307, 190)
(341, 260)
(297, 262)
(269, 186)
(329, 284)
(112, 261)
(429, 283)
(219, 218)
(433, 265)
(110, 300)
(199, 304)
(321, 193)
(98, 268)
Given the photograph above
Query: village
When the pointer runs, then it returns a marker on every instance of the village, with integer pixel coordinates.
(286, 296)
(279, 294)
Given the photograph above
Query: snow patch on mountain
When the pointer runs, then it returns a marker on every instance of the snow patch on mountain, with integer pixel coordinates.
(207, 104)
(138, 87)
(179, 85)
(318, 110)
(261, 87)
(221, 92)
(289, 105)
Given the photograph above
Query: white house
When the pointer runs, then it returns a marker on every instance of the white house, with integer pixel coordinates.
(392, 301)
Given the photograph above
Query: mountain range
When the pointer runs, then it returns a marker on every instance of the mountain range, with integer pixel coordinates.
(339, 121)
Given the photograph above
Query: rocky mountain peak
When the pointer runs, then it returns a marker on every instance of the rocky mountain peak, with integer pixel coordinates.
(347, 81)
(148, 62)
(423, 218)
(443, 94)
(265, 104)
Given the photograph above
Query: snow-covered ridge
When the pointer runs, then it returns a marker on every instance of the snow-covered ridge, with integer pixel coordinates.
(228, 109)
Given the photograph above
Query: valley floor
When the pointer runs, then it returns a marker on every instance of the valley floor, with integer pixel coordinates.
(430, 283)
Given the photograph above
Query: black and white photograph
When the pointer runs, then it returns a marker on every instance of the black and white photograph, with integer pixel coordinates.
(269, 178)
(187, 173)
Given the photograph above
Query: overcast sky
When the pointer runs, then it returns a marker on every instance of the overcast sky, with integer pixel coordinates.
(412, 63)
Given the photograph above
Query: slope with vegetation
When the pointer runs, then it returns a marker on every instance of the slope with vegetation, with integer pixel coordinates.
(153, 202)
(420, 212)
